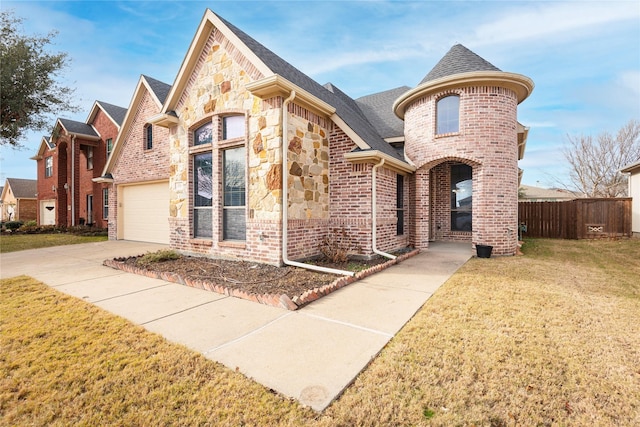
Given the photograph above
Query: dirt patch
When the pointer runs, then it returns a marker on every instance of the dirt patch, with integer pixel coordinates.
(252, 280)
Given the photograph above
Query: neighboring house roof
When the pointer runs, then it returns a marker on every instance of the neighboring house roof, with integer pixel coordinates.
(78, 128)
(530, 193)
(159, 89)
(115, 112)
(378, 108)
(22, 188)
(458, 60)
(49, 142)
(632, 168)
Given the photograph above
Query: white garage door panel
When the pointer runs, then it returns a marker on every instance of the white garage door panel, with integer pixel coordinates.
(146, 210)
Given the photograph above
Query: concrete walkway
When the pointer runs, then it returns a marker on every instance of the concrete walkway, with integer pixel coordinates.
(311, 354)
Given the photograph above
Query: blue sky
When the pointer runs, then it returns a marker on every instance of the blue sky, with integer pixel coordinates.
(583, 56)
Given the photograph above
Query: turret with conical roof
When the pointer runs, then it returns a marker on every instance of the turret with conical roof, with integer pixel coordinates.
(462, 134)
(459, 60)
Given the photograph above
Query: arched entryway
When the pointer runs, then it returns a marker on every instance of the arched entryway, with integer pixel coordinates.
(451, 185)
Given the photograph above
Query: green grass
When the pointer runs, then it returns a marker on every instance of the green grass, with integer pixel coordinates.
(21, 242)
(548, 338)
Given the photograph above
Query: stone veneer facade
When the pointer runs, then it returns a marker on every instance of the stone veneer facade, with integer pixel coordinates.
(326, 194)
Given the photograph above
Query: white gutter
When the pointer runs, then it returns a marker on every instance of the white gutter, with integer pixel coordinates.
(285, 200)
(73, 180)
(374, 213)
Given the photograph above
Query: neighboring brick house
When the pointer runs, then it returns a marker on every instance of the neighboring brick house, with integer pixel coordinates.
(18, 200)
(137, 173)
(388, 170)
(67, 163)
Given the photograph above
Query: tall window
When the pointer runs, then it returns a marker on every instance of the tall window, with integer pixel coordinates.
(202, 195)
(148, 137)
(89, 157)
(232, 127)
(448, 114)
(234, 186)
(461, 199)
(400, 204)
(48, 166)
(109, 144)
(105, 203)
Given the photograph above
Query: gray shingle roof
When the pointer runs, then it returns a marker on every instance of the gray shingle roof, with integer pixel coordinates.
(79, 128)
(160, 89)
(345, 107)
(458, 60)
(116, 113)
(378, 108)
(23, 188)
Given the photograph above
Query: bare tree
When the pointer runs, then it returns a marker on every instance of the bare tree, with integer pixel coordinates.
(595, 162)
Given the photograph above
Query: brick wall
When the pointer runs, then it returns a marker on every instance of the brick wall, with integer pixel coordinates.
(487, 141)
(135, 163)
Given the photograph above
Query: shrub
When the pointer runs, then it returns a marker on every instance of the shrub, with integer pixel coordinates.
(336, 246)
(158, 256)
(13, 225)
(31, 223)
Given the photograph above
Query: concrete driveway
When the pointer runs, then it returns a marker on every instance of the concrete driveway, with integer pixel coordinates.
(311, 354)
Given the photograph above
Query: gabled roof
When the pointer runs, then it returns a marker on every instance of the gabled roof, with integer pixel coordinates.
(159, 89)
(115, 112)
(378, 108)
(50, 144)
(347, 114)
(458, 60)
(22, 188)
(73, 127)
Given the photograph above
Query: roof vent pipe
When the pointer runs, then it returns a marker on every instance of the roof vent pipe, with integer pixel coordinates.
(285, 200)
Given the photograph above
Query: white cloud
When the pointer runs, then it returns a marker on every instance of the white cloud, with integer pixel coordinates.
(555, 21)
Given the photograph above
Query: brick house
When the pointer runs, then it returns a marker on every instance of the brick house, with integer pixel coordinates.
(67, 163)
(18, 200)
(246, 130)
(137, 174)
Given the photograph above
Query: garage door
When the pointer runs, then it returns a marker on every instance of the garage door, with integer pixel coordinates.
(47, 212)
(145, 210)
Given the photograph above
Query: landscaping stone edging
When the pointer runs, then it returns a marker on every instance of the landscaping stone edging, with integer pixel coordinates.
(274, 300)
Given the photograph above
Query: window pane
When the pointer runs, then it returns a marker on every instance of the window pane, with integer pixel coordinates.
(202, 222)
(448, 113)
(105, 203)
(149, 137)
(203, 135)
(461, 197)
(234, 221)
(202, 185)
(232, 127)
(234, 176)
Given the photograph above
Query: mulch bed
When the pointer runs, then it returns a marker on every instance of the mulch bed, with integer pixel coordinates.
(287, 287)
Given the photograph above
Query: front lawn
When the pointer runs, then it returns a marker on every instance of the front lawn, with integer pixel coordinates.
(549, 338)
(20, 242)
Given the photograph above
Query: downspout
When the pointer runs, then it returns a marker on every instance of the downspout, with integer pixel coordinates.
(285, 200)
(374, 213)
(73, 180)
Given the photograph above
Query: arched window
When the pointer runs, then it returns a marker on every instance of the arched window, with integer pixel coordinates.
(448, 114)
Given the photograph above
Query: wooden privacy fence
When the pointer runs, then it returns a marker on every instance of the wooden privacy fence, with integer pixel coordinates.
(576, 219)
